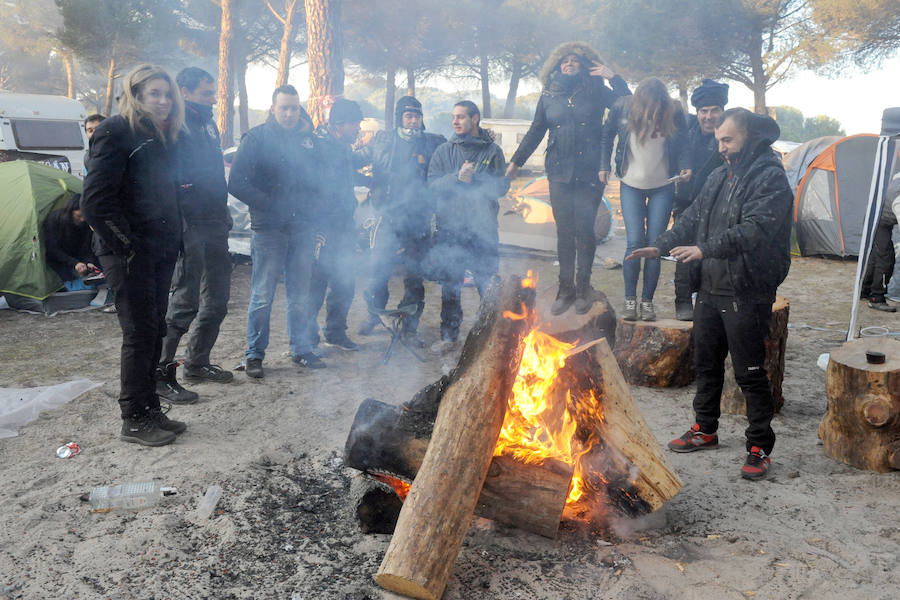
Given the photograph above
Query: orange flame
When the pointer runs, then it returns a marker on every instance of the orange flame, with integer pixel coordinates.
(530, 280)
(536, 428)
(508, 314)
(400, 487)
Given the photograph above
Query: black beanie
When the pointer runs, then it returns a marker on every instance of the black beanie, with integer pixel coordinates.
(344, 111)
(406, 104)
(710, 93)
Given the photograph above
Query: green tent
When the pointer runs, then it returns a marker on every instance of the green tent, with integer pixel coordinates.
(28, 193)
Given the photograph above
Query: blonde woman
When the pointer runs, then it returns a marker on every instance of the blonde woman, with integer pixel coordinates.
(652, 150)
(129, 201)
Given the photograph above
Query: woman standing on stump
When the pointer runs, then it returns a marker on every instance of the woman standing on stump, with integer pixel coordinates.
(571, 107)
(129, 201)
(652, 150)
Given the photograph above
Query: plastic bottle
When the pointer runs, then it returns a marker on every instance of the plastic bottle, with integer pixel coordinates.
(208, 504)
(128, 496)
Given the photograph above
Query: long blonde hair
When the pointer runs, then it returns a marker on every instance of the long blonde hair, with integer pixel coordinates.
(651, 110)
(139, 116)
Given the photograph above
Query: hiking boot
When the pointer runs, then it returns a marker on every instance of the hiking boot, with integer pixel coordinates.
(757, 464)
(684, 311)
(253, 367)
(167, 424)
(584, 299)
(213, 373)
(368, 327)
(630, 312)
(145, 431)
(694, 439)
(343, 342)
(169, 389)
(309, 360)
(881, 304)
(411, 338)
(564, 299)
(648, 313)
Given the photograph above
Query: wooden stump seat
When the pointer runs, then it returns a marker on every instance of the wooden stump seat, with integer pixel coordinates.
(655, 353)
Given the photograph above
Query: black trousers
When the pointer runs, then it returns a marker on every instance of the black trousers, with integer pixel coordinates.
(880, 265)
(575, 211)
(201, 288)
(480, 255)
(391, 248)
(333, 272)
(683, 287)
(142, 292)
(724, 325)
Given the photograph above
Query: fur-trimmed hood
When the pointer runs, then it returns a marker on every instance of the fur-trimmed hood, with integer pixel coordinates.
(581, 49)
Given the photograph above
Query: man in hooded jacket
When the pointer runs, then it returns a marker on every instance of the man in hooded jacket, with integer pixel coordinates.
(467, 176)
(739, 229)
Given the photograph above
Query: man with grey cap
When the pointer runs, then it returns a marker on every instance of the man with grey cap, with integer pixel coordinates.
(709, 99)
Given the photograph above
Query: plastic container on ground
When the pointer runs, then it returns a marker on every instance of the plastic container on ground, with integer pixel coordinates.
(128, 496)
(208, 502)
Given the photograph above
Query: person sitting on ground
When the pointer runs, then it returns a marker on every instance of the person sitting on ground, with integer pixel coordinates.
(67, 242)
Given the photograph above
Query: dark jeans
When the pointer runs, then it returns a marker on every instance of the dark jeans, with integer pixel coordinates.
(575, 211)
(683, 285)
(722, 325)
(142, 292)
(646, 215)
(481, 257)
(335, 273)
(409, 251)
(201, 288)
(880, 265)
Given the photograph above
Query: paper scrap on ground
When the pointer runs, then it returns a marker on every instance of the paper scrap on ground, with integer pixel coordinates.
(19, 406)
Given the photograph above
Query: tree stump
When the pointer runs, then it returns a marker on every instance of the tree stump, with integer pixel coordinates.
(655, 353)
(862, 424)
(733, 401)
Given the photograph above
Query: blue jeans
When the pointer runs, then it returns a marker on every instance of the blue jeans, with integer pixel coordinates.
(285, 251)
(646, 214)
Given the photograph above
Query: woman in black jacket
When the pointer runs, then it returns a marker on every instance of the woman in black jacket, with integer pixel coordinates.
(651, 154)
(129, 201)
(571, 107)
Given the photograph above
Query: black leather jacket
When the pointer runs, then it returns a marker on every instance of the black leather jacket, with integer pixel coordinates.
(202, 190)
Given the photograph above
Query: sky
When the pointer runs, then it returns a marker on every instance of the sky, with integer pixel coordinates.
(856, 99)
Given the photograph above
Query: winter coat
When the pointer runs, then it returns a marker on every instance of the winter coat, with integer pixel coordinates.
(399, 187)
(202, 189)
(65, 243)
(336, 199)
(466, 210)
(572, 109)
(616, 125)
(129, 194)
(276, 173)
(756, 243)
(705, 158)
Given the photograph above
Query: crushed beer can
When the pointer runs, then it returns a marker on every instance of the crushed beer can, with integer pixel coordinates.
(68, 451)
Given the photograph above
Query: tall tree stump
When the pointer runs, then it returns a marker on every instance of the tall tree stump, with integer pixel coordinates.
(862, 424)
(733, 401)
(655, 353)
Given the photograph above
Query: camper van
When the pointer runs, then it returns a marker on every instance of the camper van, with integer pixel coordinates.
(45, 129)
(508, 134)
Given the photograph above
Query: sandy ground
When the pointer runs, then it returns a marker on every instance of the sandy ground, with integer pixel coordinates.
(814, 529)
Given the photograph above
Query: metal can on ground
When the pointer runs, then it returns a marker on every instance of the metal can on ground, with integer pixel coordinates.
(68, 451)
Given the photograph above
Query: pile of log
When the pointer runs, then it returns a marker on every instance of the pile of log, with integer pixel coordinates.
(444, 440)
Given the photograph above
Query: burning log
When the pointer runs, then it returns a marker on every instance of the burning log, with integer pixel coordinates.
(655, 353)
(599, 322)
(862, 424)
(439, 507)
(733, 401)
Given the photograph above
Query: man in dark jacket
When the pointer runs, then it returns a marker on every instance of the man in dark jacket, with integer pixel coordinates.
(739, 228)
(334, 266)
(202, 281)
(276, 174)
(709, 98)
(467, 176)
(67, 241)
(403, 204)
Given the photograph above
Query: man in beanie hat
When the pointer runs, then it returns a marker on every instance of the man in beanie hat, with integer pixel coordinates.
(333, 266)
(403, 204)
(709, 99)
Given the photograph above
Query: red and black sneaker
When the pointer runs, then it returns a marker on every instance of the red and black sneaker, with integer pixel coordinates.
(693, 440)
(757, 464)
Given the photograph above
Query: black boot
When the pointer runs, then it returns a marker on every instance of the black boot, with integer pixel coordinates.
(169, 389)
(145, 431)
(167, 424)
(584, 298)
(684, 309)
(564, 299)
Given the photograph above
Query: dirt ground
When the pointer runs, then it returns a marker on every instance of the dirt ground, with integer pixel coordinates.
(814, 529)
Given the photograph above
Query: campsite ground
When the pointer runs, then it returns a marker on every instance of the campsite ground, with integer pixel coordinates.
(814, 529)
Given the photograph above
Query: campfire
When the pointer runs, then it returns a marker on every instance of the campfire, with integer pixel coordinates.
(528, 430)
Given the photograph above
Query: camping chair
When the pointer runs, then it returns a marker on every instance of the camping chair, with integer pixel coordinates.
(396, 320)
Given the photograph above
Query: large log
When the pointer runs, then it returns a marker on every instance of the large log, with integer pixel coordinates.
(733, 401)
(655, 353)
(862, 424)
(598, 322)
(440, 504)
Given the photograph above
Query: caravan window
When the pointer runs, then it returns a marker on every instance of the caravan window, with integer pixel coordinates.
(32, 134)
